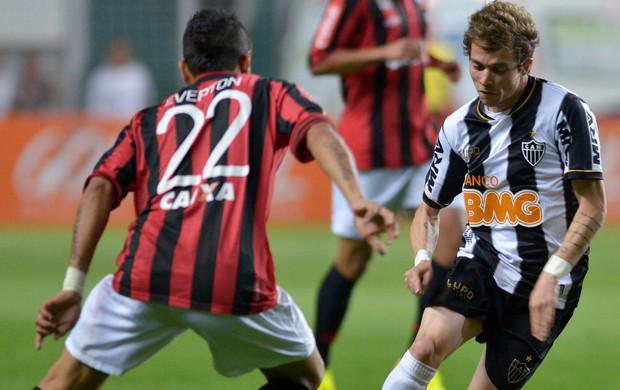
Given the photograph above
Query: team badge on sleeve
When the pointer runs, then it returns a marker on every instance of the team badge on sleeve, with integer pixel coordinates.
(533, 151)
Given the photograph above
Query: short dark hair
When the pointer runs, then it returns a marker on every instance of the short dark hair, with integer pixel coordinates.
(214, 39)
(501, 24)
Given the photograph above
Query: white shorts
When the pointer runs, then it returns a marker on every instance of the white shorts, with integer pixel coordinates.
(400, 190)
(116, 333)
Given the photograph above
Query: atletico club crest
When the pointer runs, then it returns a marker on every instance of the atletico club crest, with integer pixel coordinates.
(533, 151)
(517, 371)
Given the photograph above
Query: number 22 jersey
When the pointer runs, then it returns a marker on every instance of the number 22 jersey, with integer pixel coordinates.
(515, 170)
(202, 166)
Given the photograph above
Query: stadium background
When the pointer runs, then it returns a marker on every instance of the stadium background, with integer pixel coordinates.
(40, 163)
(45, 155)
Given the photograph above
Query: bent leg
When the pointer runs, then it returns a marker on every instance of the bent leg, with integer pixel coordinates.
(307, 373)
(441, 333)
(69, 373)
(450, 239)
(481, 380)
(335, 291)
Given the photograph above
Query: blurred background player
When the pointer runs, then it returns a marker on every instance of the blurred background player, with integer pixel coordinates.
(526, 154)
(377, 47)
(121, 85)
(201, 166)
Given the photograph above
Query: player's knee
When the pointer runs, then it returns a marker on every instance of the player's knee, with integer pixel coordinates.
(352, 265)
(425, 350)
(311, 379)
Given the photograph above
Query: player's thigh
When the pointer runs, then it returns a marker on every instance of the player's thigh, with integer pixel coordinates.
(240, 344)
(512, 353)
(384, 186)
(116, 333)
(480, 380)
(308, 371)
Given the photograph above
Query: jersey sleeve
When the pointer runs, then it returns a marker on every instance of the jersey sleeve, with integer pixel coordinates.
(338, 28)
(297, 112)
(579, 141)
(118, 164)
(445, 177)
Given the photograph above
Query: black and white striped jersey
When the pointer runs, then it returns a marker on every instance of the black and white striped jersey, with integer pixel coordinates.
(515, 170)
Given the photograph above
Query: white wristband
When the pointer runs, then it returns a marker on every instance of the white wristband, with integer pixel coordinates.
(422, 255)
(557, 266)
(74, 280)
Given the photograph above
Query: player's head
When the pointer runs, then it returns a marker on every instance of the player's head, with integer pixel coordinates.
(500, 42)
(501, 24)
(214, 39)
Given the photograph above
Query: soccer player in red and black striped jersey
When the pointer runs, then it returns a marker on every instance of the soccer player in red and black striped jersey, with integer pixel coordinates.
(377, 48)
(202, 167)
(526, 154)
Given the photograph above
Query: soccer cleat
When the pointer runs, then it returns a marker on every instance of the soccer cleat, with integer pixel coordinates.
(328, 381)
(436, 383)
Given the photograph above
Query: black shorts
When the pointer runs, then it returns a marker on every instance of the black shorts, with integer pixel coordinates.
(512, 353)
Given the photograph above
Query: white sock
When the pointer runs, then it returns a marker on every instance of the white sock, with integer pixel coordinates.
(409, 374)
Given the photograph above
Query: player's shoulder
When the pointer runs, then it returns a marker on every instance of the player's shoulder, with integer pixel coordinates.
(562, 92)
(566, 99)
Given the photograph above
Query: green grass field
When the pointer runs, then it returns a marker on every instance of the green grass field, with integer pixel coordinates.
(375, 334)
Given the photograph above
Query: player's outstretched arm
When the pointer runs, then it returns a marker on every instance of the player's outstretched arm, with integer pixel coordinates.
(59, 313)
(587, 221)
(335, 158)
(343, 61)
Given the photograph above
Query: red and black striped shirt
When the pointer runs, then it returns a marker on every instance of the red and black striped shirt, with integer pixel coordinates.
(386, 121)
(202, 167)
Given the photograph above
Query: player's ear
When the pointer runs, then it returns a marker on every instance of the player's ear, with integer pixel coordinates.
(245, 62)
(527, 66)
(188, 76)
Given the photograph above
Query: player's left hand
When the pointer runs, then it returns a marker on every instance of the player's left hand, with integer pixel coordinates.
(371, 219)
(57, 316)
(542, 305)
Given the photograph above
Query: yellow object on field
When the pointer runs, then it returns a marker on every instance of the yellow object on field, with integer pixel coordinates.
(436, 383)
(328, 381)
(437, 85)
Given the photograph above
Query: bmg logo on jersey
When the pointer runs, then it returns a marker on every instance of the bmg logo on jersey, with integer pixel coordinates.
(503, 207)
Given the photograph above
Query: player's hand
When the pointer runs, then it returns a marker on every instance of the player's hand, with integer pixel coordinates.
(418, 278)
(542, 305)
(403, 49)
(371, 220)
(453, 70)
(57, 316)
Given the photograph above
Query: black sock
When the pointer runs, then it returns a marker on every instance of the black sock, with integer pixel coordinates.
(439, 278)
(282, 384)
(332, 306)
